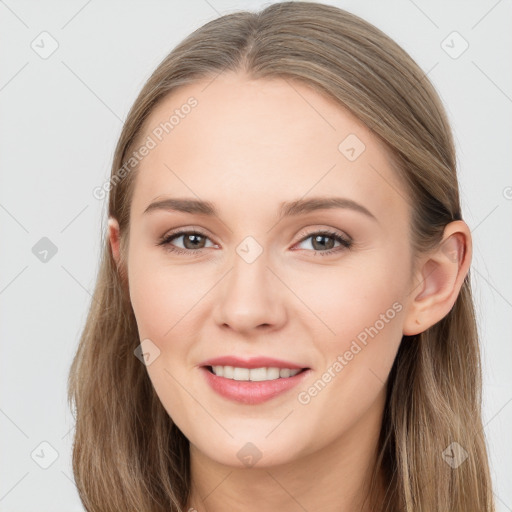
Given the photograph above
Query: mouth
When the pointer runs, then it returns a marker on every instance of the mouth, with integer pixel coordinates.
(253, 374)
(252, 386)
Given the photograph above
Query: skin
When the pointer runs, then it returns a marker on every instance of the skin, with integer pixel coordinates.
(247, 147)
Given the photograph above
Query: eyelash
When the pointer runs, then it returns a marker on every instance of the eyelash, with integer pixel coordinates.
(346, 243)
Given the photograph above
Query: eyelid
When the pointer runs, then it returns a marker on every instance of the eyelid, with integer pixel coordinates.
(165, 240)
(186, 229)
(306, 233)
(344, 239)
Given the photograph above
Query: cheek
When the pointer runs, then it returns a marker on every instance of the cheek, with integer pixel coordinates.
(161, 294)
(152, 303)
(365, 312)
(162, 298)
(354, 296)
(358, 325)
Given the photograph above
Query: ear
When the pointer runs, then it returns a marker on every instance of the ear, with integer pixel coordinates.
(439, 279)
(113, 235)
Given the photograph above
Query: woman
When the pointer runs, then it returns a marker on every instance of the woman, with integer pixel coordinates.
(283, 317)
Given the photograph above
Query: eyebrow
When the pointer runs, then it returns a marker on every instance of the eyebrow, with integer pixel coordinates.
(287, 209)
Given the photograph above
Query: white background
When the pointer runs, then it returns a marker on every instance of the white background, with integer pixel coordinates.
(60, 119)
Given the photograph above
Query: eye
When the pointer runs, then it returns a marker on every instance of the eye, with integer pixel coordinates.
(193, 242)
(322, 245)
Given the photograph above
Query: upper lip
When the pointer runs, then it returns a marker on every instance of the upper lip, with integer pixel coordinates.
(252, 362)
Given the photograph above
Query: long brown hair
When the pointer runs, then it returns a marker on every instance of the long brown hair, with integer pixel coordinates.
(128, 455)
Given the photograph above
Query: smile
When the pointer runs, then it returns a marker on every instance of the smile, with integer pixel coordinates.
(252, 386)
(253, 374)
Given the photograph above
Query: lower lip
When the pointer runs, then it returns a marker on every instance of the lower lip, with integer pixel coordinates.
(252, 392)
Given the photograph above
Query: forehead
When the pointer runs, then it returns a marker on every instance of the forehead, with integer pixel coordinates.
(258, 142)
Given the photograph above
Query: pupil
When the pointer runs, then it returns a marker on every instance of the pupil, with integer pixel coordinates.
(322, 245)
(190, 238)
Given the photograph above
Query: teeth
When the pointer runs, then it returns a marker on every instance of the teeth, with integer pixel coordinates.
(241, 373)
(253, 374)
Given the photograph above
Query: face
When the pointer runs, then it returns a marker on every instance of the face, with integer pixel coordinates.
(324, 289)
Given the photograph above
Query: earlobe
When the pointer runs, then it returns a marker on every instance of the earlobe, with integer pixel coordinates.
(113, 235)
(440, 277)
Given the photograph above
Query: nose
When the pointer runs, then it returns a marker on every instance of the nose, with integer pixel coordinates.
(250, 298)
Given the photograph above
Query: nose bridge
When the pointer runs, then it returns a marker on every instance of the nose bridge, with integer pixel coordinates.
(249, 295)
